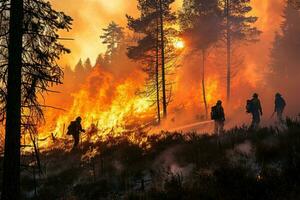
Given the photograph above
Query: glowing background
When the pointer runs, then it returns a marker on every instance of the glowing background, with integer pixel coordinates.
(90, 16)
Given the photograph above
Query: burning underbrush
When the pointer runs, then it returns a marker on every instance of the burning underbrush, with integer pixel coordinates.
(260, 165)
(109, 106)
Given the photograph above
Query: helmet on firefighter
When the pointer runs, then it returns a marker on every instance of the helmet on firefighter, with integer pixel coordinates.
(78, 119)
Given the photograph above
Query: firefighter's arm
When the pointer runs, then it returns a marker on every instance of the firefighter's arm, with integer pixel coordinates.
(81, 129)
(260, 109)
(223, 113)
(276, 106)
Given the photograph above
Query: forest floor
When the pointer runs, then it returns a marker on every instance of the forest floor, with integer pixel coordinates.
(240, 164)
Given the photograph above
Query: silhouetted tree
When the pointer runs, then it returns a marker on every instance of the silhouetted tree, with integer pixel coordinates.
(100, 61)
(88, 65)
(165, 16)
(79, 73)
(153, 47)
(79, 69)
(28, 57)
(285, 52)
(201, 27)
(238, 27)
(112, 37)
(147, 48)
(11, 168)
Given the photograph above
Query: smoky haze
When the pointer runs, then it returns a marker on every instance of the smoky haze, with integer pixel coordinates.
(251, 67)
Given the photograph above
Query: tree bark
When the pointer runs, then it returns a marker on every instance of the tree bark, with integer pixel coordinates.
(203, 84)
(157, 72)
(11, 168)
(228, 45)
(162, 35)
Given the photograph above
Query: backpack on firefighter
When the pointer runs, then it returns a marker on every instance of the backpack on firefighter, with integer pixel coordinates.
(249, 106)
(214, 113)
(72, 128)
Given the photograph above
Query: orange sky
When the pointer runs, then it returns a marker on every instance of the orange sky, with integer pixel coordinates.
(90, 16)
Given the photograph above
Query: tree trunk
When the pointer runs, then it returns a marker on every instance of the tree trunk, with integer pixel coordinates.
(157, 72)
(228, 44)
(11, 168)
(203, 84)
(162, 35)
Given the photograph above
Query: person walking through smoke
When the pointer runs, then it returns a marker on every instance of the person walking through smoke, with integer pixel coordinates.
(254, 107)
(218, 115)
(279, 106)
(75, 129)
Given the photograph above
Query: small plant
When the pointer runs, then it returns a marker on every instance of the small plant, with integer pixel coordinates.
(89, 159)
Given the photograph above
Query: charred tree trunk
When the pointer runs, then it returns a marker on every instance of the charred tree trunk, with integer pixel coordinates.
(36, 152)
(163, 74)
(228, 45)
(11, 168)
(157, 72)
(203, 84)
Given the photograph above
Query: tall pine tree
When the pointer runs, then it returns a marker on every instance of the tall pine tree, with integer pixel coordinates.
(11, 168)
(285, 60)
(112, 37)
(238, 27)
(147, 48)
(151, 49)
(201, 27)
(29, 50)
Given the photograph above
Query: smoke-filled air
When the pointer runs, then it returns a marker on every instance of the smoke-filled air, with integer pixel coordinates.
(113, 90)
(150, 99)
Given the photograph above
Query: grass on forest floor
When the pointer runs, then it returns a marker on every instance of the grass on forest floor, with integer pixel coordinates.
(241, 164)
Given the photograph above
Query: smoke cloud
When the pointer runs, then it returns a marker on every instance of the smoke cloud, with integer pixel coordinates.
(90, 16)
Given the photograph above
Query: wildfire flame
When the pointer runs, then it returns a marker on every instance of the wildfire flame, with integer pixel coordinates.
(109, 108)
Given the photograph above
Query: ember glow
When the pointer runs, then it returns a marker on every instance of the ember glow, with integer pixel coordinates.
(179, 44)
(108, 105)
(109, 102)
(149, 99)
